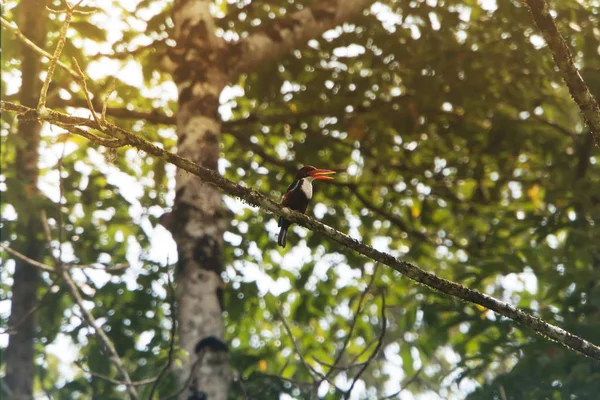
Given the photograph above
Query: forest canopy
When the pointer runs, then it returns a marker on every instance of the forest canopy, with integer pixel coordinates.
(463, 144)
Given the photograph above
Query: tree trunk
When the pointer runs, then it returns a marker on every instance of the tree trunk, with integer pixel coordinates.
(203, 65)
(20, 368)
(199, 217)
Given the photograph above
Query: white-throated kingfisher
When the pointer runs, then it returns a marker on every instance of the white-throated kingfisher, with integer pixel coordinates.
(298, 195)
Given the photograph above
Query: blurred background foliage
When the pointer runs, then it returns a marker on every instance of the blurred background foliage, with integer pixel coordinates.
(457, 148)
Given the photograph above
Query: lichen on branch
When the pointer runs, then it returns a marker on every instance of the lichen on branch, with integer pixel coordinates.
(253, 197)
(564, 60)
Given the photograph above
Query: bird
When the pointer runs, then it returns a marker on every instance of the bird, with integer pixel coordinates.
(299, 194)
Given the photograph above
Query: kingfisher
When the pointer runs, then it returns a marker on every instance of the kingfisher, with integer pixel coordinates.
(298, 195)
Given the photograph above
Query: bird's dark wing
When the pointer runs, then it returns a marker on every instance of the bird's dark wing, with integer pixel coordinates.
(291, 188)
(284, 200)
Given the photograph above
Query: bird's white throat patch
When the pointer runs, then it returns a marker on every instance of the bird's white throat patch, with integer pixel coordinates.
(306, 186)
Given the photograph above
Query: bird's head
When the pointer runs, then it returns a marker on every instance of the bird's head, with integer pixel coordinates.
(308, 171)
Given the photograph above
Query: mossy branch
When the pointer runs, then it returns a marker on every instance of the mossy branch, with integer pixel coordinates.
(251, 196)
(564, 60)
(57, 52)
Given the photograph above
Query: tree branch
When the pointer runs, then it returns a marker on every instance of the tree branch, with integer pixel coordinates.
(407, 384)
(253, 197)
(27, 42)
(296, 348)
(188, 380)
(290, 32)
(47, 268)
(15, 327)
(375, 352)
(28, 260)
(338, 358)
(171, 339)
(89, 317)
(101, 335)
(57, 52)
(114, 381)
(564, 60)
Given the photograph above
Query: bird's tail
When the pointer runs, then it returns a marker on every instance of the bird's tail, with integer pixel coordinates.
(281, 240)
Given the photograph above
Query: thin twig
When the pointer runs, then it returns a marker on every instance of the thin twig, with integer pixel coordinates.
(502, 392)
(172, 338)
(311, 370)
(86, 93)
(303, 386)
(89, 317)
(406, 385)
(112, 380)
(106, 142)
(353, 363)
(43, 379)
(105, 105)
(280, 375)
(78, 12)
(13, 329)
(356, 315)
(59, 266)
(296, 348)
(155, 45)
(101, 335)
(389, 216)
(60, 200)
(240, 381)
(116, 267)
(48, 268)
(188, 380)
(28, 260)
(554, 125)
(28, 114)
(54, 59)
(27, 42)
(376, 351)
(343, 367)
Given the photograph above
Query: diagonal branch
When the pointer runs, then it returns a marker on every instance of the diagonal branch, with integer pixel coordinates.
(407, 384)
(27, 42)
(100, 334)
(28, 260)
(377, 348)
(338, 358)
(251, 196)
(12, 329)
(89, 317)
(171, 339)
(57, 52)
(86, 92)
(290, 32)
(188, 380)
(564, 60)
(47, 268)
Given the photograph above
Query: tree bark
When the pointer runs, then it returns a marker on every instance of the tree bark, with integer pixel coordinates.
(252, 197)
(202, 66)
(286, 34)
(564, 60)
(199, 217)
(20, 368)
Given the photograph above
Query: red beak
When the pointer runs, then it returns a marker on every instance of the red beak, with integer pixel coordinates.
(321, 174)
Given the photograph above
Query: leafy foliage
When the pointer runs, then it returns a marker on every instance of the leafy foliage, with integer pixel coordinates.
(458, 150)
